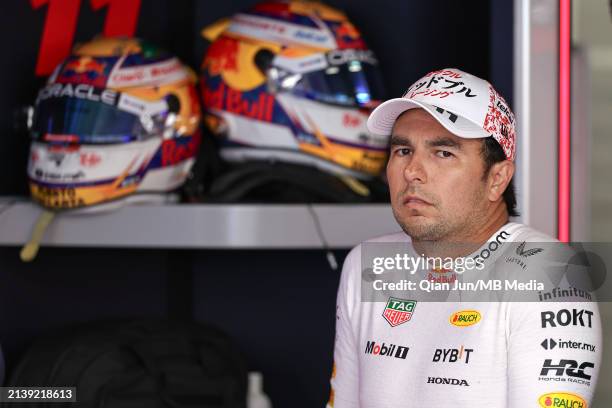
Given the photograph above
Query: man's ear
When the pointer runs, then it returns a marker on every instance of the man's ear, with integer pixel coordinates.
(498, 179)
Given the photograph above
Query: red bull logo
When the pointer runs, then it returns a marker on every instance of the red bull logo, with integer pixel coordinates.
(346, 29)
(85, 65)
(348, 37)
(231, 100)
(221, 56)
(173, 152)
(441, 275)
(84, 70)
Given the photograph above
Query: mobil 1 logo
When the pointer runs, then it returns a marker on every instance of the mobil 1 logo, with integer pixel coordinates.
(386, 350)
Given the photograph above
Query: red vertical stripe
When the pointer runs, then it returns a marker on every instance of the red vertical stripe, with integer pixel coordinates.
(564, 159)
(121, 17)
(58, 32)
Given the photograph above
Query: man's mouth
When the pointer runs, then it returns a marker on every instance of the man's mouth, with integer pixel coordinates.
(412, 200)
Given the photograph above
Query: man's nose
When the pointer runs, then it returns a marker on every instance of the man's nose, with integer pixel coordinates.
(414, 171)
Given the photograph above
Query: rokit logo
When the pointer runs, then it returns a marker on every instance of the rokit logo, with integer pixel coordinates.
(390, 350)
(452, 355)
(550, 344)
(566, 371)
(447, 381)
(566, 317)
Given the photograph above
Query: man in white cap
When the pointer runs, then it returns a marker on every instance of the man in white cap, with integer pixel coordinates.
(450, 177)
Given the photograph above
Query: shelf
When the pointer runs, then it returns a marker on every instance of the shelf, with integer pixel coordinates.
(204, 226)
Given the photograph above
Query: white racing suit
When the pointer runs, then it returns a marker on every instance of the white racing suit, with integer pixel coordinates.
(401, 353)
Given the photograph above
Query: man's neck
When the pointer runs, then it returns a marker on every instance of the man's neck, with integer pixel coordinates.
(465, 243)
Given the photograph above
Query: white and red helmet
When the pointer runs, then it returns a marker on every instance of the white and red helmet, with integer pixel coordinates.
(293, 82)
(118, 118)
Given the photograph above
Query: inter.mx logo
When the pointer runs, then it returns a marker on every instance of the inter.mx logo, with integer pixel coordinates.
(383, 349)
(566, 371)
(398, 311)
(567, 317)
(452, 355)
(550, 344)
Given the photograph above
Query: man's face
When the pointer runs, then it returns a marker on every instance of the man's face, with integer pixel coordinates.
(435, 179)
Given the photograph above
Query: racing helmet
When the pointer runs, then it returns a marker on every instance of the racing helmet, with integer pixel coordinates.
(293, 82)
(117, 119)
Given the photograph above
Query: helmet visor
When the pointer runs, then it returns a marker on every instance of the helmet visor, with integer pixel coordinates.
(347, 82)
(81, 120)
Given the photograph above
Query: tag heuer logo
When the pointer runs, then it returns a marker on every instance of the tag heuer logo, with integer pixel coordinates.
(398, 311)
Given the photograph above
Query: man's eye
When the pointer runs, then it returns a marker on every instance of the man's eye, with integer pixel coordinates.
(444, 154)
(402, 151)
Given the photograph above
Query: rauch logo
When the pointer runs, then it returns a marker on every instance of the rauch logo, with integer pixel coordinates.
(561, 400)
(465, 318)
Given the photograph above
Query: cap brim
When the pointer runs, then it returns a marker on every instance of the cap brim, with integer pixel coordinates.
(383, 118)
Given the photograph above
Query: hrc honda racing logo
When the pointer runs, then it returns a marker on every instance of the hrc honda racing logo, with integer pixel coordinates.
(566, 371)
(386, 350)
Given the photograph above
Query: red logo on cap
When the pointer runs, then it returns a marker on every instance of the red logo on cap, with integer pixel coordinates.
(499, 122)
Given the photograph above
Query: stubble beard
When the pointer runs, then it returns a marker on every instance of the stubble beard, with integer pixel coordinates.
(424, 231)
(446, 228)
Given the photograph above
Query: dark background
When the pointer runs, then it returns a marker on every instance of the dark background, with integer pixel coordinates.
(278, 305)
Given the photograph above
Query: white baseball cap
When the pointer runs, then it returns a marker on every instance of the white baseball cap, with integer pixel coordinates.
(464, 104)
